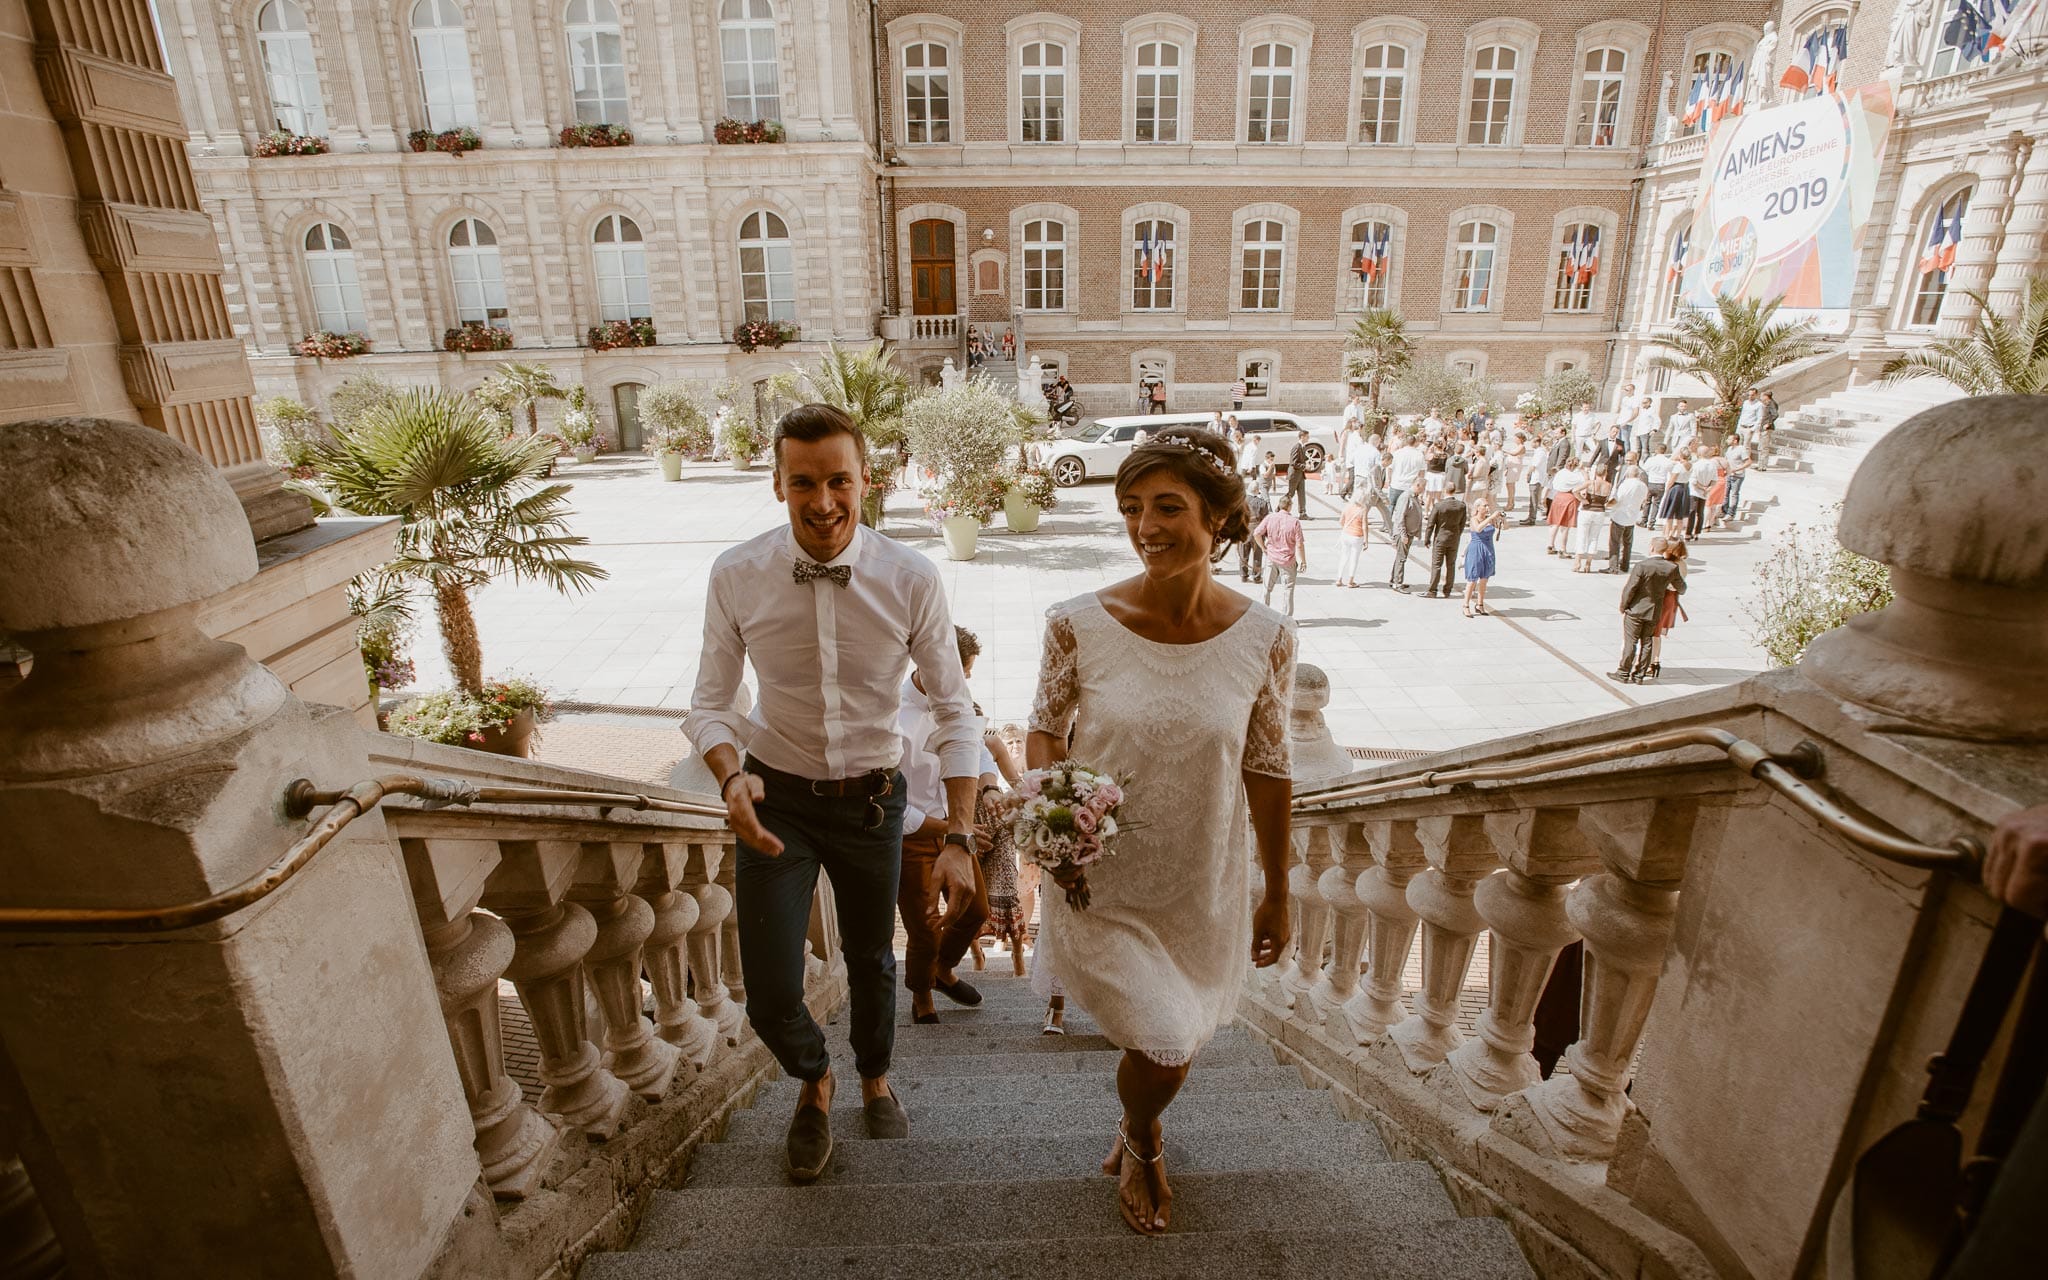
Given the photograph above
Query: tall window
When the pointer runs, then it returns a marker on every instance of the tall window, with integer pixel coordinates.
(1674, 270)
(1472, 288)
(1600, 98)
(1578, 261)
(767, 268)
(1493, 96)
(441, 47)
(478, 273)
(620, 259)
(1829, 39)
(927, 94)
(753, 74)
(1258, 378)
(331, 270)
(1158, 89)
(1948, 57)
(1371, 265)
(1152, 258)
(1381, 93)
(1044, 91)
(597, 62)
(1271, 115)
(1045, 265)
(1709, 68)
(1938, 257)
(288, 68)
(1263, 256)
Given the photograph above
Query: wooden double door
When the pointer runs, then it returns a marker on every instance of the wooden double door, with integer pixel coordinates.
(933, 290)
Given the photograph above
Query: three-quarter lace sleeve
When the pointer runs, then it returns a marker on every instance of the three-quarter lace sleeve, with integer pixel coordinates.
(1059, 680)
(1266, 746)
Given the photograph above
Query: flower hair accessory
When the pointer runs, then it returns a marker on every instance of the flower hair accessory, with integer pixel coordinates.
(1175, 440)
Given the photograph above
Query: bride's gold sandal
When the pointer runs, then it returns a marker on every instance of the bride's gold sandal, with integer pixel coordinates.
(1150, 1162)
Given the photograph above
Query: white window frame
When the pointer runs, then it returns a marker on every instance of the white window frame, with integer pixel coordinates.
(1044, 32)
(291, 74)
(1461, 260)
(1270, 266)
(1364, 295)
(1412, 38)
(1603, 92)
(1174, 221)
(1258, 392)
(933, 33)
(596, 37)
(1494, 126)
(440, 52)
(1917, 281)
(1632, 41)
(619, 265)
(768, 290)
(477, 270)
(1381, 65)
(1150, 84)
(334, 283)
(1520, 37)
(1712, 57)
(1165, 29)
(1572, 297)
(1270, 93)
(753, 21)
(1052, 294)
(1943, 58)
(1278, 31)
(1042, 92)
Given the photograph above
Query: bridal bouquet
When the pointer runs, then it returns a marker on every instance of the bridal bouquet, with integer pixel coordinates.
(1065, 820)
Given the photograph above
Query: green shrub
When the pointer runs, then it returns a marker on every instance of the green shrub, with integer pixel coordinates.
(1810, 585)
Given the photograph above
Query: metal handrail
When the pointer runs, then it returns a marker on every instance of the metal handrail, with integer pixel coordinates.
(1785, 773)
(301, 797)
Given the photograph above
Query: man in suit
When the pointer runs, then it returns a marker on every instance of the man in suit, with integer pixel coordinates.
(1251, 557)
(1446, 527)
(1610, 453)
(1642, 594)
(1407, 527)
(1297, 474)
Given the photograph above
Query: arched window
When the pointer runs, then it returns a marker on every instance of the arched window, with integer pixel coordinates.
(927, 94)
(1710, 67)
(1472, 288)
(1493, 96)
(331, 271)
(1816, 64)
(1152, 258)
(767, 268)
(1372, 265)
(1270, 117)
(440, 45)
(1045, 265)
(1600, 82)
(597, 62)
(1157, 117)
(1578, 262)
(1260, 268)
(620, 261)
(753, 73)
(288, 68)
(1674, 270)
(1382, 93)
(479, 275)
(1043, 91)
(1938, 257)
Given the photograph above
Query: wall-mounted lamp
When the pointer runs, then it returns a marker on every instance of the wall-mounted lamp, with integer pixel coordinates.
(988, 235)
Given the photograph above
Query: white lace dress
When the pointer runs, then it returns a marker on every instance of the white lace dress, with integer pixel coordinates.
(1159, 957)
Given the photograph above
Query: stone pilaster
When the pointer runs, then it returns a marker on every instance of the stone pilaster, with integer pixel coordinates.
(2021, 255)
(1983, 230)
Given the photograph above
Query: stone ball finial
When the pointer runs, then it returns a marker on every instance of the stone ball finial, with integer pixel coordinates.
(1923, 500)
(107, 520)
(1311, 687)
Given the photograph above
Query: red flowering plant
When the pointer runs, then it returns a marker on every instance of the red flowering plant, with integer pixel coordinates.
(452, 141)
(730, 131)
(331, 346)
(474, 335)
(750, 335)
(596, 135)
(283, 142)
(621, 333)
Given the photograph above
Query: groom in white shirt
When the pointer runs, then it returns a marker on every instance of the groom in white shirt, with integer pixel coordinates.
(832, 615)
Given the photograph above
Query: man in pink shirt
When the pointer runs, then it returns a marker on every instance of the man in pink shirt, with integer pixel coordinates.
(1279, 536)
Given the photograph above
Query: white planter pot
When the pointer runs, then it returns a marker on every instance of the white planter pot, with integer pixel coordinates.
(960, 533)
(586, 455)
(743, 464)
(1019, 515)
(671, 465)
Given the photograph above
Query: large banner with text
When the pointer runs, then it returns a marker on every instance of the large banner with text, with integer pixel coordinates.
(1784, 196)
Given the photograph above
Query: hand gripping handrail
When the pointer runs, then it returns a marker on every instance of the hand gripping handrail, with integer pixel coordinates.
(301, 797)
(1784, 773)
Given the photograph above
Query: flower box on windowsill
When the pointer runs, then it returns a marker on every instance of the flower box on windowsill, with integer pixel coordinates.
(752, 334)
(477, 337)
(621, 333)
(729, 131)
(331, 346)
(452, 141)
(596, 135)
(283, 142)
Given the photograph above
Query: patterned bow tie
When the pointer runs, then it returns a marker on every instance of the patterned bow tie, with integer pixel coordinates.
(802, 571)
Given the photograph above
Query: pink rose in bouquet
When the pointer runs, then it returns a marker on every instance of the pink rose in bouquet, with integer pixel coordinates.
(1065, 819)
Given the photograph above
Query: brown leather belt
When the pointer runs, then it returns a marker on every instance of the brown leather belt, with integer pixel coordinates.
(864, 786)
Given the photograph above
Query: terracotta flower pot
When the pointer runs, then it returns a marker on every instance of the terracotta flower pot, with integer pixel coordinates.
(513, 738)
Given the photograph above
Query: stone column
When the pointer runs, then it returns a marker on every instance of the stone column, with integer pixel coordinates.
(1338, 888)
(714, 904)
(2025, 249)
(1626, 914)
(1524, 908)
(1460, 856)
(1383, 889)
(1983, 229)
(676, 1016)
(604, 880)
(142, 766)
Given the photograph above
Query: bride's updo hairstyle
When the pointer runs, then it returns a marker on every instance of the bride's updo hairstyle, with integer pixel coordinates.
(1205, 463)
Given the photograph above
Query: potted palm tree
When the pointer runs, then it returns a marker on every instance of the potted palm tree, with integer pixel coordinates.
(516, 386)
(1377, 350)
(473, 508)
(2000, 356)
(962, 435)
(1732, 349)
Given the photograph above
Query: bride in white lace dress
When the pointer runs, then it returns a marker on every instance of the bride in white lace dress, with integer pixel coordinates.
(1183, 685)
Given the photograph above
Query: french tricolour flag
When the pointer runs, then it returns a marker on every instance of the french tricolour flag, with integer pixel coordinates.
(1696, 101)
(1585, 256)
(1941, 245)
(1728, 102)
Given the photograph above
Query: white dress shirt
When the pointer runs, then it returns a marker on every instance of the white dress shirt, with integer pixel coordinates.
(1409, 462)
(831, 660)
(1630, 497)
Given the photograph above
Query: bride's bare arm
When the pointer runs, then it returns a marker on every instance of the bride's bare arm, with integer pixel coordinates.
(1271, 800)
(1042, 749)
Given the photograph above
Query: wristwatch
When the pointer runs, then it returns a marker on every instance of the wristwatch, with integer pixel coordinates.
(954, 837)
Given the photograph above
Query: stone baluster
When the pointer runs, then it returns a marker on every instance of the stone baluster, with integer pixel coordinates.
(1383, 889)
(676, 1016)
(469, 951)
(1626, 914)
(550, 939)
(605, 879)
(1311, 919)
(1338, 887)
(1524, 908)
(1460, 856)
(714, 903)
(729, 967)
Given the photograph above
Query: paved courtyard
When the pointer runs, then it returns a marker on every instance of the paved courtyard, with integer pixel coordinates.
(1406, 672)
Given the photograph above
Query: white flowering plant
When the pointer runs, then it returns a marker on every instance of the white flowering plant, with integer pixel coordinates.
(1065, 820)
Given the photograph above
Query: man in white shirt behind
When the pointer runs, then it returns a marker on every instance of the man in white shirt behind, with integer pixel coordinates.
(832, 615)
(1583, 427)
(1625, 511)
(1409, 462)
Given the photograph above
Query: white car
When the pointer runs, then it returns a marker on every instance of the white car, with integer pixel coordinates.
(1094, 450)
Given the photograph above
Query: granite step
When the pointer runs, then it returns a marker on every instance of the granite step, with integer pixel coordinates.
(1073, 1115)
(947, 1091)
(959, 1036)
(1060, 1059)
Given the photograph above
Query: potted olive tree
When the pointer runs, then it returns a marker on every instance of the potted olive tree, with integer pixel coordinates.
(962, 436)
(741, 438)
(677, 426)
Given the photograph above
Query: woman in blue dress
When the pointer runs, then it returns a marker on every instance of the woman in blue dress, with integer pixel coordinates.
(1479, 554)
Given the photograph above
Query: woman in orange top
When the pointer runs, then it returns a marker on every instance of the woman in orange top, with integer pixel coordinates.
(1350, 542)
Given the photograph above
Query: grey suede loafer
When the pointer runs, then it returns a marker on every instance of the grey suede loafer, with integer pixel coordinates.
(885, 1118)
(810, 1144)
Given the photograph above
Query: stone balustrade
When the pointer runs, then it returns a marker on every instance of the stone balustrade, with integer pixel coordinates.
(942, 330)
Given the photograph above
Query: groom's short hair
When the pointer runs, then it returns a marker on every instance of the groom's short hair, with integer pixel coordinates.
(813, 422)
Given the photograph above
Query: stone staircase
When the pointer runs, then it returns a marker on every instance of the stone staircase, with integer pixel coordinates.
(1832, 434)
(1000, 1175)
